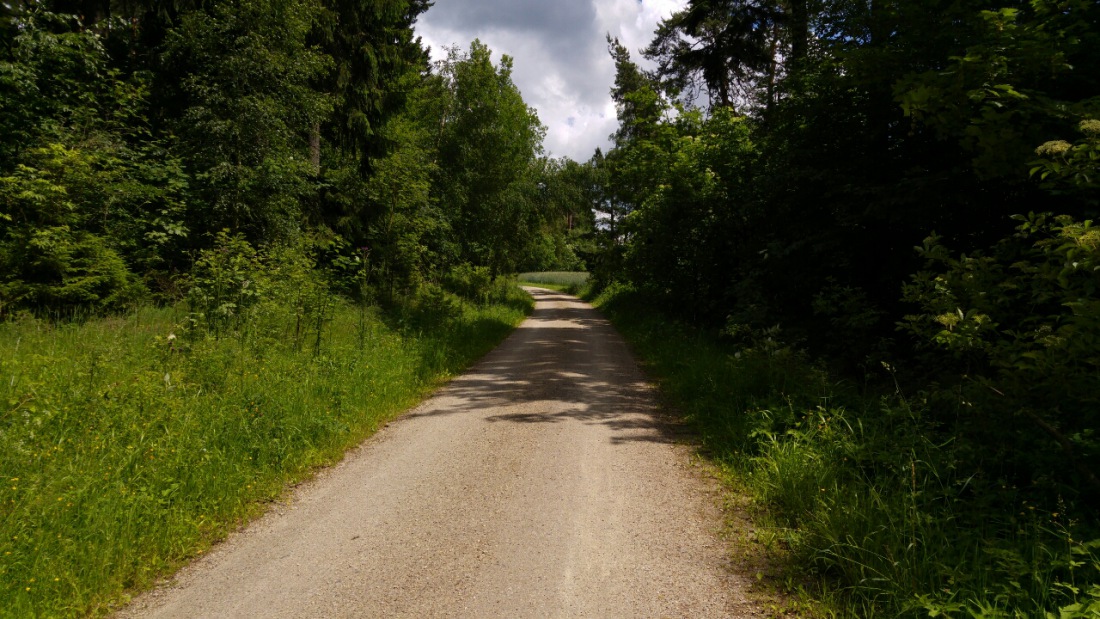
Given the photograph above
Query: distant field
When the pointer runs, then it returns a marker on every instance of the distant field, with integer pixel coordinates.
(555, 278)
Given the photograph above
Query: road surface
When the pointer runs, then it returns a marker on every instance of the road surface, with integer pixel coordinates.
(541, 483)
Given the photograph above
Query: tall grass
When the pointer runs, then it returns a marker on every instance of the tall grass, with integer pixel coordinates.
(854, 489)
(127, 445)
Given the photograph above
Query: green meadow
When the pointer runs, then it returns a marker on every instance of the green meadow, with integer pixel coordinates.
(565, 281)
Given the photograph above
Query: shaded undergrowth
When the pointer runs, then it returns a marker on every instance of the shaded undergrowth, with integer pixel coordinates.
(861, 497)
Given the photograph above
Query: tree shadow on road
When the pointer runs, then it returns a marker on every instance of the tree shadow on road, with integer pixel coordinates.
(565, 364)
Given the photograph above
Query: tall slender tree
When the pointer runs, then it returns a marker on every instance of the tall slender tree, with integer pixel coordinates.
(372, 45)
(488, 144)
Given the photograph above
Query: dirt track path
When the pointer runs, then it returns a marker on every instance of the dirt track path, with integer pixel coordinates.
(541, 483)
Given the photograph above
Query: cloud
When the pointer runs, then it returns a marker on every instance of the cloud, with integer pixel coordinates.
(561, 61)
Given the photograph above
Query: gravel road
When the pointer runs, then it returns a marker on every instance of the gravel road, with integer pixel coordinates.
(541, 483)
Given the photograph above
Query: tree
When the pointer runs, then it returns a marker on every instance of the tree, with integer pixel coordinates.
(638, 103)
(405, 228)
(564, 210)
(729, 44)
(87, 195)
(247, 72)
(372, 46)
(488, 143)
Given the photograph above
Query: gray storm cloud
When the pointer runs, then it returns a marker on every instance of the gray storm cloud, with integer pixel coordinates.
(561, 61)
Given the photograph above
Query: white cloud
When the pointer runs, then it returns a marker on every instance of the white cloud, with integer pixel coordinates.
(561, 61)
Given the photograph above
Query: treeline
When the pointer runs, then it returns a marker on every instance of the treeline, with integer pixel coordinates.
(236, 237)
(904, 190)
(134, 135)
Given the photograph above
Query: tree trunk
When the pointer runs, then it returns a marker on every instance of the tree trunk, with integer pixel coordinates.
(799, 28)
(773, 70)
(315, 147)
(1067, 448)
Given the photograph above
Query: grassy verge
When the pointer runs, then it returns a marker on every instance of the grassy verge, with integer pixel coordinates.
(855, 499)
(128, 447)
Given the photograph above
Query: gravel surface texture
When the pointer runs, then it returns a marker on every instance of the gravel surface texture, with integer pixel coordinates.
(541, 483)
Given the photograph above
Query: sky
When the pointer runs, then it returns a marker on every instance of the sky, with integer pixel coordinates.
(561, 62)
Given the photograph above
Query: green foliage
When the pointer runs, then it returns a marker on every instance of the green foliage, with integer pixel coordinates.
(63, 272)
(564, 206)
(638, 103)
(564, 278)
(1022, 325)
(89, 196)
(275, 120)
(862, 489)
(963, 479)
(268, 169)
(1072, 167)
(678, 236)
(53, 76)
(727, 45)
(406, 226)
(247, 70)
(373, 53)
(48, 262)
(223, 285)
(894, 119)
(234, 289)
(550, 251)
(487, 146)
(470, 282)
(987, 97)
(968, 489)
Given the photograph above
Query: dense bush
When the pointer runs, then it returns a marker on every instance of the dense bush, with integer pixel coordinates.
(90, 202)
(61, 272)
(468, 281)
(1014, 334)
(963, 478)
(132, 136)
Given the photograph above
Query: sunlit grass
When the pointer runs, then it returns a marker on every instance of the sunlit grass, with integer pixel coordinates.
(571, 282)
(127, 447)
(563, 278)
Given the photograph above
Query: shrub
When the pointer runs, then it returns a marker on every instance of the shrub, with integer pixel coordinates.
(431, 305)
(1015, 332)
(875, 496)
(60, 271)
(223, 285)
(469, 282)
